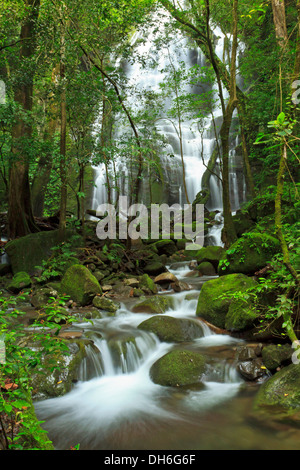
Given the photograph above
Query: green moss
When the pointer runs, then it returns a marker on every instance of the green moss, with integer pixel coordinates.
(105, 304)
(172, 329)
(26, 253)
(146, 281)
(282, 389)
(206, 268)
(216, 296)
(79, 283)
(241, 315)
(178, 368)
(20, 281)
(274, 355)
(155, 304)
(210, 254)
(250, 253)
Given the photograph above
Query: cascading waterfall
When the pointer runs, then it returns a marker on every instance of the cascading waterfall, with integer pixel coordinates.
(195, 143)
(116, 405)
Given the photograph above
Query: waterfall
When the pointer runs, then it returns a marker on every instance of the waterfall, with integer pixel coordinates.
(197, 144)
(115, 404)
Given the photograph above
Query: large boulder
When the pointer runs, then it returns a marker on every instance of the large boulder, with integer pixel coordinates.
(154, 304)
(178, 368)
(164, 247)
(80, 284)
(282, 390)
(248, 254)
(170, 329)
(26, 253)
(216, 297)
(211, 254)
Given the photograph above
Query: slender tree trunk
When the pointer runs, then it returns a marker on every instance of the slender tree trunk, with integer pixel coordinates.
(229, 234)
(20, 215)
(63, 136)
(42, 176)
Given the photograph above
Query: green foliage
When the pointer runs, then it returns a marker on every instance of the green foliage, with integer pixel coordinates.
(63, 256)
(24, 353)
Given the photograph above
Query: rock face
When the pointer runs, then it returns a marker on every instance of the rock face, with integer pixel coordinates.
(79, 283)
(282, 389)
(155, 304)
(250, 253)
(170, 329)
(178, 368)
(215, 300)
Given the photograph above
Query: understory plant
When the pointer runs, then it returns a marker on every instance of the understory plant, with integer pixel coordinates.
(22, 352)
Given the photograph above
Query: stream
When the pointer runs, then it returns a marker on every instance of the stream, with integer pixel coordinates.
(116, 406)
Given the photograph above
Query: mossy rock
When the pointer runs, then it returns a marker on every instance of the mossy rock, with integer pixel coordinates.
(148, 283)
(154, 304)
(26, 253)
(154, 267)
(60, 381)
(170, 329)
(211, 254)
(275, 355)
(250, 253)
(20, 281)
(105, 304)
(178, 368)
(80, 284)
(241, 315)
(281, 390)
(164, 247)
(216, 296)
(206, 269)
(41, 296)
(242, 223)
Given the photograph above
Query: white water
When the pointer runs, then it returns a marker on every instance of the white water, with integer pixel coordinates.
(100, 410)
(197, 138)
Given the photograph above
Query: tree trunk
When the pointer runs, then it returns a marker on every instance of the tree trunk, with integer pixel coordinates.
(278, 8)
(42, 176)
(20, 215)
(63, 136)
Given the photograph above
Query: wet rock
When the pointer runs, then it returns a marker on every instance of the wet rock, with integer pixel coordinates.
(154, 304)
(251, 370)
(180, 286)
(105, 304)
(276, 355)
(172, 329)
(280, 390)
(178, 368)
(165, 278)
